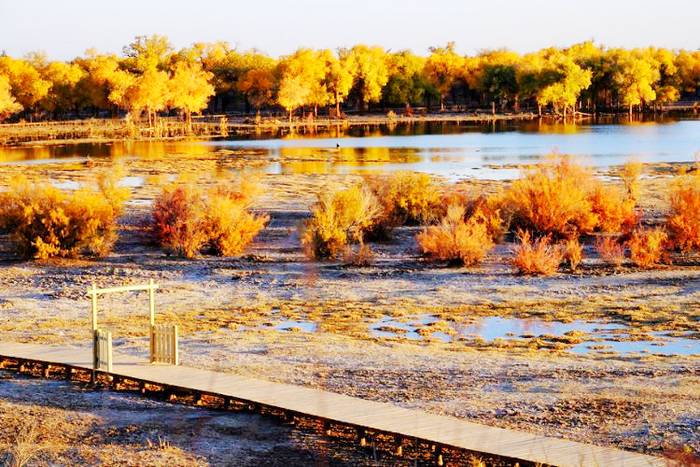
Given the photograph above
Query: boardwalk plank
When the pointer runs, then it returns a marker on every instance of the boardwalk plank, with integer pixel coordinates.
(377, 416)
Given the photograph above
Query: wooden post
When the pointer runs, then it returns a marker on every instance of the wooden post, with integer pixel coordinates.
(152, 301)
(152, 312)
(94, 307)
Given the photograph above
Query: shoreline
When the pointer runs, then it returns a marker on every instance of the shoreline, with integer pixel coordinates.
(98, 130)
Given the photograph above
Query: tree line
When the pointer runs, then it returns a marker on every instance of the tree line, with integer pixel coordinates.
(152, 78)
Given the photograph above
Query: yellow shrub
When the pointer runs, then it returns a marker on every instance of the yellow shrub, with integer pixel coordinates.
(647, 247)
(683, 221)
(186, 220)
(457, 240)
(553, 199)
(406, 199)
(536, 257)
(229, 225)
(339, 218)
(573, 252)
(45, 222)
(610, 250)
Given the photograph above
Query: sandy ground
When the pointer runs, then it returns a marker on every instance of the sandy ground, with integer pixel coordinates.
(230, 312)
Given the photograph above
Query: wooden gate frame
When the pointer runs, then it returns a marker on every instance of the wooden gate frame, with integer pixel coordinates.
(93, 292)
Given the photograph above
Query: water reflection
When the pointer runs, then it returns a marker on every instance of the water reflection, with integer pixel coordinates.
(452, 150)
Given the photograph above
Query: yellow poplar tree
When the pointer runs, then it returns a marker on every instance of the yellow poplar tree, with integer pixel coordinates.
(27, 86)
(635, 78)
(338, 79)
(307, 67)
(370, 71)
(64, 78)
(292, 94)
(8, 104)
(150, 93)
(570, 80)
(442, 68)
(190, 89)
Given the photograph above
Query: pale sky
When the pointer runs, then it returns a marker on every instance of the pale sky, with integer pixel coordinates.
(65, 29)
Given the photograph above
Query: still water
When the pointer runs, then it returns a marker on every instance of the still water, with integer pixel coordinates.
(450, 150)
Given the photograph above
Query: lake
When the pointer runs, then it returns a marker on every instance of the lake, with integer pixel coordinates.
(451, 150)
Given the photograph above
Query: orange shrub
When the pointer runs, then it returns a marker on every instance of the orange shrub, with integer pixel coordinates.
(613, 211)
(339, 218)
(186, 221)
(553, 199)
(490, 210)
(45, 222)
(406, 198)
(683, 222)
(457, 240)
(610, 250)
(178, 216)
(647, 247)
(573, 253)
(536, 257)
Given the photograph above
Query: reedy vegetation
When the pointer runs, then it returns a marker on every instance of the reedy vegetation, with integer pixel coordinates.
(151, 77)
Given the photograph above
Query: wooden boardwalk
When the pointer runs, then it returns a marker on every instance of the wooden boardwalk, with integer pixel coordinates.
(441, 431)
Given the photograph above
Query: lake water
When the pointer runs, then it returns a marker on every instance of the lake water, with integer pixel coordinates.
(450, 150)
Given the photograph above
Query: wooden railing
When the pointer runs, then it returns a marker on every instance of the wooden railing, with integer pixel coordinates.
(164, 344)
(102, 350)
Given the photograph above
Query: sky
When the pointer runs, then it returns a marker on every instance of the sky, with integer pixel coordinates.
(65, 29)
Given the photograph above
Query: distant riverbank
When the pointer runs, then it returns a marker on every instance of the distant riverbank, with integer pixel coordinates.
(104, 130)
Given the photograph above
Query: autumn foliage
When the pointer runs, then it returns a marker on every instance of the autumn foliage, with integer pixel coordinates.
(458, 238)
(187, 220)
(339, 218)
(406, 199)
(44, 221)
(611, 250)
(647, 247)
(683, 222)
(152, 77)
(561, 198)
(536, 256)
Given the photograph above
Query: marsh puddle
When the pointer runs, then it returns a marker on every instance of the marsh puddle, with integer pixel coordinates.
(597, 337)
(290, 325)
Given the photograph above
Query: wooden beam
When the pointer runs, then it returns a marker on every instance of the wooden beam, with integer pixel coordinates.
(126, 288)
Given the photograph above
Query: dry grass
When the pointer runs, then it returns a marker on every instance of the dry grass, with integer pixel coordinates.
(457, 239)
(647, 247)
(536, 257)
(683, 222)
(339, 218)
(44, 221)
(611, 250)
(186, 220)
